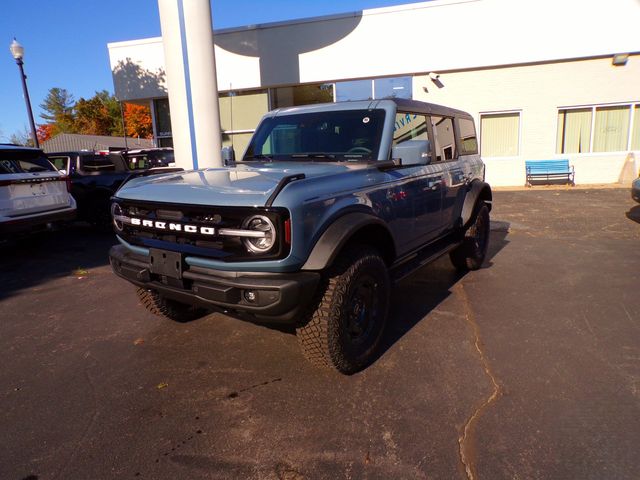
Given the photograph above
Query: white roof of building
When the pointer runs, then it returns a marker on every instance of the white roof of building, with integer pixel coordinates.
(440, 35)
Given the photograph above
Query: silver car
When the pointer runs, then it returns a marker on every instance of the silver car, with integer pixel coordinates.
(34, 195)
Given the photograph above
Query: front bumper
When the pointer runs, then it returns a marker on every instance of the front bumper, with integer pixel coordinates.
(277, 297)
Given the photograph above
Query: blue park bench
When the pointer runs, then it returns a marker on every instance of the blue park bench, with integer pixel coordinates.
(549, 171)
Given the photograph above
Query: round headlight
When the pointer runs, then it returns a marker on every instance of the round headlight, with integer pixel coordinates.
(116, 216)
(262, 243)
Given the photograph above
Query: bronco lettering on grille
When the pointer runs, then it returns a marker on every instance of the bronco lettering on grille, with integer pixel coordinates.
(171, 226)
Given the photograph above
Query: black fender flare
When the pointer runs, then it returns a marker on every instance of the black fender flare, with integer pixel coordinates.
(478, 191)
(343, 229)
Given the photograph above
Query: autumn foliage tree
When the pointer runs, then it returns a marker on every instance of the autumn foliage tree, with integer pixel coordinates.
(100, 114)
(138, 120)
(92, 117)
(44, 132)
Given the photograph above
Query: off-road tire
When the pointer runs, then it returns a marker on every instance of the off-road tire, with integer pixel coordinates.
(167, 308)
(344, 330)
(471, 253)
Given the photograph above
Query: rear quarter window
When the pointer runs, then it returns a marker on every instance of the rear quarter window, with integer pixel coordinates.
(468, 139)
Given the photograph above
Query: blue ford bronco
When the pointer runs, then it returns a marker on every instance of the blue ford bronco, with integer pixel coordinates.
(329, 205)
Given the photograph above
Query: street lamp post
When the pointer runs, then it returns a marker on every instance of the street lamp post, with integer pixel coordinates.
(17, 51)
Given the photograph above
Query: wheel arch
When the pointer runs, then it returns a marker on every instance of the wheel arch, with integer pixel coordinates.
(349, 229)
(478, 192)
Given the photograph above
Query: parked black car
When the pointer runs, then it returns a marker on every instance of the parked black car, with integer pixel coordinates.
(149, 158)
(95, 177)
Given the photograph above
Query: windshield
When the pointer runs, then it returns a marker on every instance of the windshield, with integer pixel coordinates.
(24, 161)
(344, 135)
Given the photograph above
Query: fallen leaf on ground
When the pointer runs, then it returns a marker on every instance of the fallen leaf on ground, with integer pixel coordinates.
(138, 341)
(162, 385)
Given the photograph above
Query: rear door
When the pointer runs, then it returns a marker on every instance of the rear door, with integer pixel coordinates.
(454, 180)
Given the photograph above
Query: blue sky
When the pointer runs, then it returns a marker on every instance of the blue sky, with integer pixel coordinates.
(65, 41)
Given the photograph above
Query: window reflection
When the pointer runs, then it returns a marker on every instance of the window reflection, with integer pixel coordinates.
(301, 95)
(445, 141)
(398, 87)
(468, 139)
(355, 90)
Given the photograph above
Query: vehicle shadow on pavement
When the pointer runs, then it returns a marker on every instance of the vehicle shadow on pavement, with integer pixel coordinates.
(35, 260)
(634, 214)
(422, 292)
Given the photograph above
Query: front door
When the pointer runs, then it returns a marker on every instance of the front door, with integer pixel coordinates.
(421, 190)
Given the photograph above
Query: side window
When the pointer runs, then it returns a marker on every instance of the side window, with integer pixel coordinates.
(409, 126)
(444, 138)
(138, 162)
(468, 139)
(59, 162)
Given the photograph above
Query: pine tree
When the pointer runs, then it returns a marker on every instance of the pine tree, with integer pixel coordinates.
(57, 109)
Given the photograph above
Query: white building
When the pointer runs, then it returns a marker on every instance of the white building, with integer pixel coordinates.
(544, 79)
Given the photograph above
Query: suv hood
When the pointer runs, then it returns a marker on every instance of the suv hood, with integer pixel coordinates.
(241, 185)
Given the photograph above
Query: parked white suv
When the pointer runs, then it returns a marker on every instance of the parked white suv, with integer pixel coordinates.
(34, 195)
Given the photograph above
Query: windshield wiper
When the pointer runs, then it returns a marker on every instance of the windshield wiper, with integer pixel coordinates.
(328, 156)
(258, 157)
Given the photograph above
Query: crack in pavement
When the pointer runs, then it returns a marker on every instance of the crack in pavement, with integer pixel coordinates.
(465, 439)
(262, 384)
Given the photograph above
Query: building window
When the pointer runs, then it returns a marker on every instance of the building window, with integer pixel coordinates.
(500, 134)
(240, 113)
(396, 87)
(301, 95)
(607, 128)
(635, 129)
(574, 130)
(162, 119)
(355, 90)
(611, 129)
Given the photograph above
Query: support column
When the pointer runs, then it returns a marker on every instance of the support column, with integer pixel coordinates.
(187, 38)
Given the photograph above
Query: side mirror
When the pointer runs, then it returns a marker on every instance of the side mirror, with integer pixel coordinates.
(413, 152)
(63, 171)
(228, 156)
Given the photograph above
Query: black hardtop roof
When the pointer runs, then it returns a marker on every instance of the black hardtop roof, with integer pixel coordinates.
(149, 150)
(72, 152)
(427, 108)
(402, 105)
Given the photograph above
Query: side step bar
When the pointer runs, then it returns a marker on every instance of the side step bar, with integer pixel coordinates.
(420, 258)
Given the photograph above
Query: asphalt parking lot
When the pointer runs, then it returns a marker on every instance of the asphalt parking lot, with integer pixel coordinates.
(528, 368)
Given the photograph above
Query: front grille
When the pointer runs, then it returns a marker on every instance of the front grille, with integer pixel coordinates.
(203, 219)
